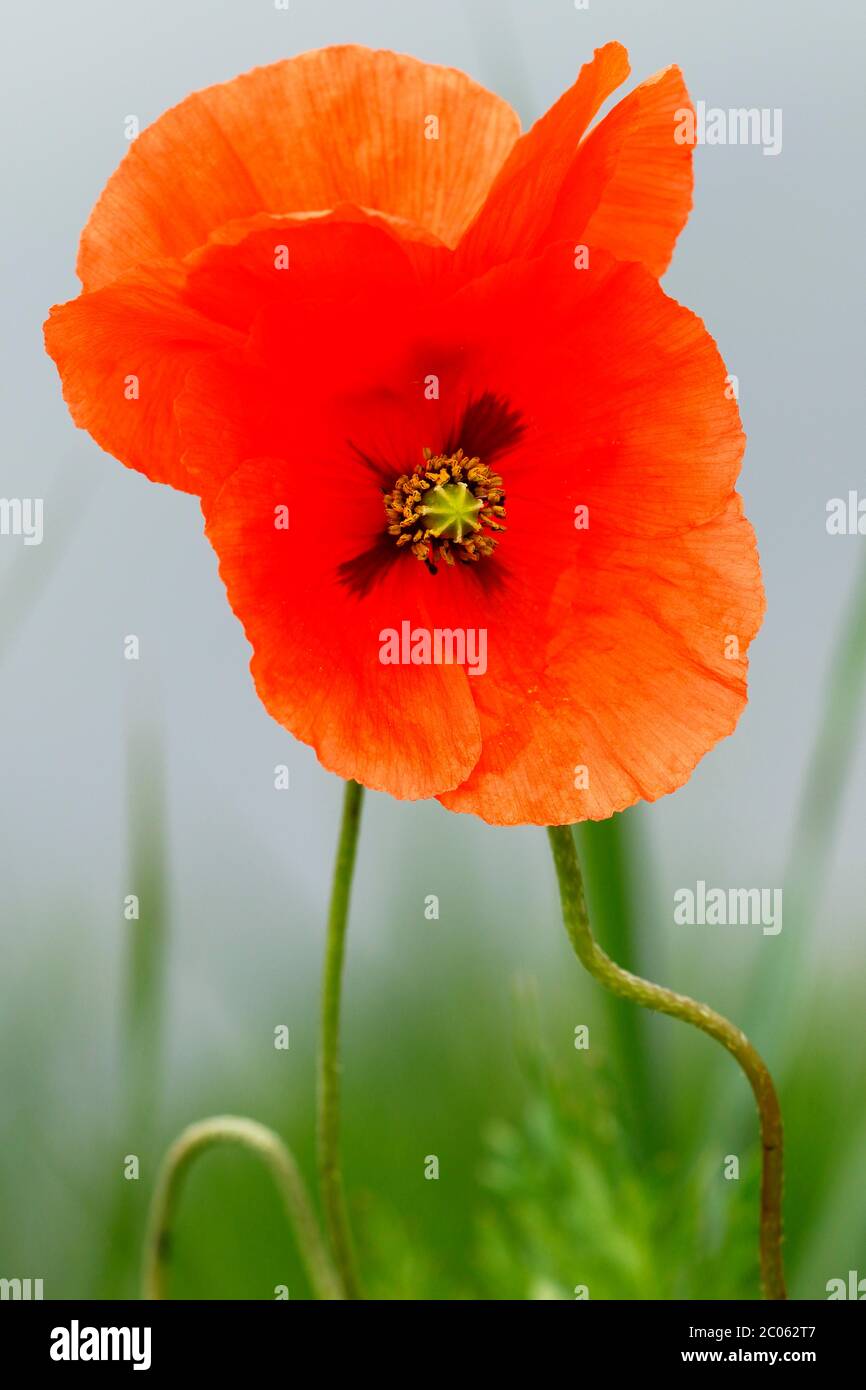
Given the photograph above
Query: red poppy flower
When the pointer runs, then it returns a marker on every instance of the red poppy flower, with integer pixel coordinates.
(469, 472)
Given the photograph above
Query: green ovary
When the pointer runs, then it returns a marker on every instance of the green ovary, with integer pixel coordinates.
(450, 511)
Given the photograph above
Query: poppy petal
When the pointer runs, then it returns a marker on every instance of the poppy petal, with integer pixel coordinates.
(607, 649)
(326, 328)
(644, 203)
(519, 206)
(338, 125)
(407, 729)
(647, 675)
(631, 408)
(123, 354)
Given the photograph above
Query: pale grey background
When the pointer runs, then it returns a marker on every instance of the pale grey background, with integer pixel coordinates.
(772, 259)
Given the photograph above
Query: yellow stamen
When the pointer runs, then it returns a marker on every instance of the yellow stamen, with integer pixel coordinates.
(446, 508)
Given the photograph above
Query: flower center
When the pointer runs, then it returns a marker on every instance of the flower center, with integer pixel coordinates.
(446, 509)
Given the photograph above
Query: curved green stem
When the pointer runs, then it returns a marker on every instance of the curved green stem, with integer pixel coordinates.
(330, 1176)
(230, 1129)
(665, 1001)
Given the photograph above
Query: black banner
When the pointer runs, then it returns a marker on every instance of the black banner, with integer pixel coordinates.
(66, 1338)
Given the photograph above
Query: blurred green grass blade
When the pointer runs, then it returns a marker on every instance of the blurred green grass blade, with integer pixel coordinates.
(148, 863)
(780, 986)
(143, 1007)
(610, 853)
(830, 765)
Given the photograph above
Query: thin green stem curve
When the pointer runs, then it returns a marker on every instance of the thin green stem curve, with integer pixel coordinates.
(230, 1129)
(650, 996)
(330, 1175)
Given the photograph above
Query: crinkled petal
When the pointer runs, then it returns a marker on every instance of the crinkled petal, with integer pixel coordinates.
(338, 125)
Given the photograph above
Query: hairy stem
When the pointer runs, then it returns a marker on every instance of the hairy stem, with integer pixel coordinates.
(608, 851)
(330, 1175)
(230, 1129)
(665, 1001)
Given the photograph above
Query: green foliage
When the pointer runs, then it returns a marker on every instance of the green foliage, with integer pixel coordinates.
(569, 1206)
